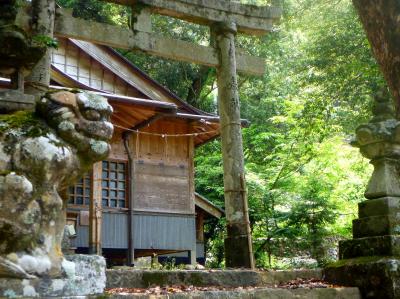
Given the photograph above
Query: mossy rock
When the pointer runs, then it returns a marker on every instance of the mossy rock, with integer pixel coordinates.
(27, 122)
(355, 261)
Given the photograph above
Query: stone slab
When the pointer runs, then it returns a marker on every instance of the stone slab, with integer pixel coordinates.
(379, 206)
(370, 246)
(334, 293)
(376, 277)
(376, 226)
(13, 100)
(85, 275)
(115, 36)
(250, 19)
(127, 278)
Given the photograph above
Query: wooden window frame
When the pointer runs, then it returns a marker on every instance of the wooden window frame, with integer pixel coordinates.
(117, 181)
(74, 195)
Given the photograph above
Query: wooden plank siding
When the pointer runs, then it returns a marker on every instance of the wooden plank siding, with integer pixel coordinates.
(163, 202)
(76, 63)
(163, 166)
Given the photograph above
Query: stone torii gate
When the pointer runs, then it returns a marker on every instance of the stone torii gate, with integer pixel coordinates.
(225, 19)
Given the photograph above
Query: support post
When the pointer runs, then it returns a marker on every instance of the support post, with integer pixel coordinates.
(238, 243)
(95, 211)
(200, 226)
(131, 175)
(193, 256)
(42, 25)
(191, 186)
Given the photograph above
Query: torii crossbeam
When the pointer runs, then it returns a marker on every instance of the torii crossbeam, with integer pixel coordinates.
(249, 19)
(225, 19)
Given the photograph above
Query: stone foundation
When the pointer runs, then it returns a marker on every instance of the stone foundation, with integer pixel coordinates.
(337, 293)
(130, 278)
(376, 277)
(83, 275)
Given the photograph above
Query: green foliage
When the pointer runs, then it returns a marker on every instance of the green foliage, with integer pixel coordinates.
(304, 180)
(25, 121)
(99, 11)
(45, 41)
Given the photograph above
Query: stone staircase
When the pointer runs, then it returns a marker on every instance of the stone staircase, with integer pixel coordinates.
(238, 283)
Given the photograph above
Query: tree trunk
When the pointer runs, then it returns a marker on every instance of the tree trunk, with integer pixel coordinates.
(381, 22)
(198, 83)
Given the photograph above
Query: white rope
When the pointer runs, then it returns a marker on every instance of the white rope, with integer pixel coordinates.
(167, 135)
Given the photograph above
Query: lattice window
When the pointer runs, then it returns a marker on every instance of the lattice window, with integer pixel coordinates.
(79, 194)
(114, 184)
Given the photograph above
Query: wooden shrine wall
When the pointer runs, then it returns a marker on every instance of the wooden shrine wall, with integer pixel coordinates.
(118, 151)
(163, 169)
(74, 62)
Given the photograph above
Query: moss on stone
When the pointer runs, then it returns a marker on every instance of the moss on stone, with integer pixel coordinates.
(154, 278)
(355, 261)
(25, 121)
(4, 172)
(196, 279)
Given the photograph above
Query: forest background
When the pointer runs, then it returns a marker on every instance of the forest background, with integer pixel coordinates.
(304, 179)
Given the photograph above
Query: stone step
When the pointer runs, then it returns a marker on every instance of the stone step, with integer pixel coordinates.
(264, 293)
(379, 206)
(372, 226)
(370, 246)
(129, 278)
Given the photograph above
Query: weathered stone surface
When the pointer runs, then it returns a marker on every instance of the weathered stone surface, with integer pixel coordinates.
(231, 278)
(251, 19)
(379, 140)
(238, 240)
(337, 293)
(19, 52)
(379, 206)
(377, 277)
(84, 275)
(371, 246)
(376, 226)
(41, 154)
(370, 261)
(115, 36)
(12, 100)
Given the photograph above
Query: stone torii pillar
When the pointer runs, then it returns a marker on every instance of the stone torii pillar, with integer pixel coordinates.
(42, 25)
(238, 243)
